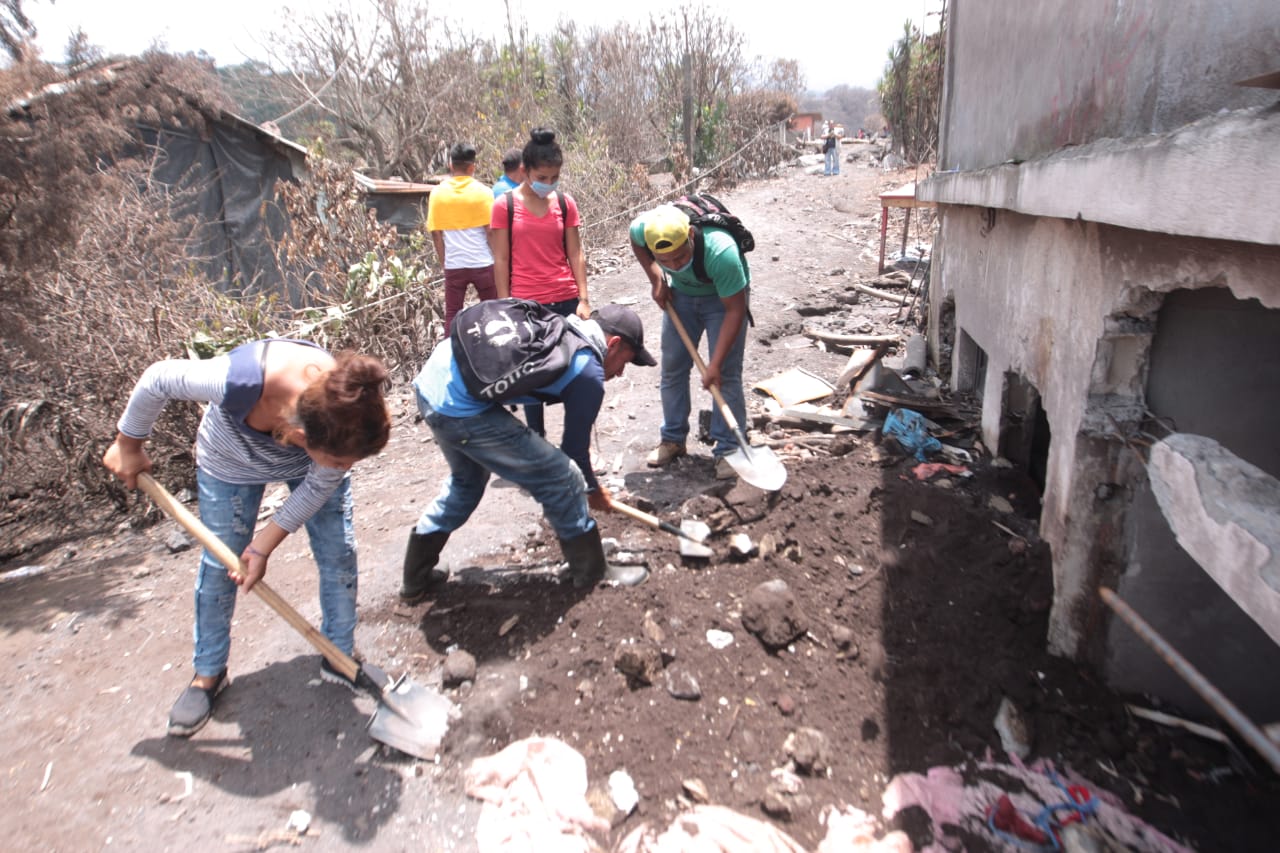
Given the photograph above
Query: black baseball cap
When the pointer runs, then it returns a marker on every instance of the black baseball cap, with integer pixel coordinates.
(622, 321)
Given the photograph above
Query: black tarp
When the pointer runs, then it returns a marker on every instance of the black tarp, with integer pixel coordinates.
(229, 183)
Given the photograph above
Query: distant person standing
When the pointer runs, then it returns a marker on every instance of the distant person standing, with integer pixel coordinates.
(512, 172)
(458, 219)
(830, 150)
(537, 247)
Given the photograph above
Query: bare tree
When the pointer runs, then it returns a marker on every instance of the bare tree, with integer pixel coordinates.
(16, 31)
(397, 82)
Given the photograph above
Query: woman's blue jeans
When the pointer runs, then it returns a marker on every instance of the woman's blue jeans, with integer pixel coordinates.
(494, 441)
(831, 162)
(230, 511)
(700, 314)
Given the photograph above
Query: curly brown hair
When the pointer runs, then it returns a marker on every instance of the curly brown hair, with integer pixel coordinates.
(344, 413)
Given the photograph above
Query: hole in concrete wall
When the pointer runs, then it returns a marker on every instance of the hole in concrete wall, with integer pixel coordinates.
(1024, 428)
(946, 335)
(971, 365)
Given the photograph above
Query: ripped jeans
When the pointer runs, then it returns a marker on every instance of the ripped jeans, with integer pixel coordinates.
(230, 511)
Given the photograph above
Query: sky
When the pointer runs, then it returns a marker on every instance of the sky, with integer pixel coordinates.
(835, 43)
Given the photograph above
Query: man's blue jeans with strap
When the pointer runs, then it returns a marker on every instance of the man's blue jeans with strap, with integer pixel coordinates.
(495, 442)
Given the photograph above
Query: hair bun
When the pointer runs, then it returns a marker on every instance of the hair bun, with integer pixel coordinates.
(543, 136)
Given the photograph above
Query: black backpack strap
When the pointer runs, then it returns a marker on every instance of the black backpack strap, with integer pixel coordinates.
(699, 259)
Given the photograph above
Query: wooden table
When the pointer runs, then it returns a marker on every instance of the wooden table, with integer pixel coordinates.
(904, 197)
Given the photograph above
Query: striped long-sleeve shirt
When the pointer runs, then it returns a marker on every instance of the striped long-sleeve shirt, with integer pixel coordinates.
(226, 447)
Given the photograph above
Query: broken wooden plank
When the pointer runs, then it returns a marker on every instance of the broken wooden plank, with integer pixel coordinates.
(859, 363)
(919, 404)
(882, 294)
(851, 340)
(860, 424)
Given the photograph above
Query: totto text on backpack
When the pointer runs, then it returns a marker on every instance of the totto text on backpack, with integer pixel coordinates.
(704, 209)
(509, 348)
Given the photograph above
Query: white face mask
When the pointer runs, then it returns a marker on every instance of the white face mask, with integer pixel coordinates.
(687, 264)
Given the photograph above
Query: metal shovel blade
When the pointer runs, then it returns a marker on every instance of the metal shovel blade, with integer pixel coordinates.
(410, 718)
(693, 534)
(759, 466)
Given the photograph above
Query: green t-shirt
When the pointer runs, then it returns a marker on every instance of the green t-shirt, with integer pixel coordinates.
(726, 266)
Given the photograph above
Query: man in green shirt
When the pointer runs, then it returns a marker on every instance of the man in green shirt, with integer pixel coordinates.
(664, 242)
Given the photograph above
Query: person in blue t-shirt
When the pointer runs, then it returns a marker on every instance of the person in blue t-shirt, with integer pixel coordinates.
(512, 172)
(480, 437)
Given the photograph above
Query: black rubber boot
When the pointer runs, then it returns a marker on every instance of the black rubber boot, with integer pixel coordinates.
(587, 565)
(420, 573)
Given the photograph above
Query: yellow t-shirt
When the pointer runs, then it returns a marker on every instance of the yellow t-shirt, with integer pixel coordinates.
(458, 203)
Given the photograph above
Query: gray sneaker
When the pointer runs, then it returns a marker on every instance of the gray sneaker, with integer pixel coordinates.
(194, 707)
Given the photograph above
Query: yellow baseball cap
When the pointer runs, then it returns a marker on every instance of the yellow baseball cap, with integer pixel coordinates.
(666, 228)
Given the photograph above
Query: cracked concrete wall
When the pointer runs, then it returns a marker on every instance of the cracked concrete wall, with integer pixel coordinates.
(1214, 372)
(1095, 166)
(1071, 307)
(1025, 79)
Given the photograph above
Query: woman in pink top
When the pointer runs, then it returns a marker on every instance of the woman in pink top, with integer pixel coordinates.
(536, 244)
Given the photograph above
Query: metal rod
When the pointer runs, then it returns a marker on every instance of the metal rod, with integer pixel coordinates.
(1210, 694)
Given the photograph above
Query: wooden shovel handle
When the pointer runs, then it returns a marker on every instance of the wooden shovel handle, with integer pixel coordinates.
(702, 369)
(344, 663)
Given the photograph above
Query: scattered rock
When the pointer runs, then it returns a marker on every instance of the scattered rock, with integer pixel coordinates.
(784, 797)
(786, 704)
(586, 689)
(459, 667)
(652, 629)
(741, 546)
(809, 749)
(1000, 505)
(772, 614)
(622, 790)
(640, 662)
(1015, 734)
(696, 790)
(920, 518)
(682, 684)
(719, 639)
(177, 541)
(842, 636)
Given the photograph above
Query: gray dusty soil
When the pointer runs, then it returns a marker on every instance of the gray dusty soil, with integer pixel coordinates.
(915, 631)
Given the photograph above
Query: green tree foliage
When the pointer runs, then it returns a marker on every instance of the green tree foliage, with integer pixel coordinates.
(911, 92)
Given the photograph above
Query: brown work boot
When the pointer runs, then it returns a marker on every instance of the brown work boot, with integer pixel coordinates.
(664, 454)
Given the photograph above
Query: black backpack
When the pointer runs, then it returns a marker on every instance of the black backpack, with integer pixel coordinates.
(508, 348)
(704, 209)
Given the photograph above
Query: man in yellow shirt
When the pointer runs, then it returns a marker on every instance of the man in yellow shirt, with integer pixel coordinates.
(458, 215)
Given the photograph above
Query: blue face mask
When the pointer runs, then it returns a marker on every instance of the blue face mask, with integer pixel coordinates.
(542, 190)
(687, 264)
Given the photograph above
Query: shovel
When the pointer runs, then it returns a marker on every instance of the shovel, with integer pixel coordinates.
(692, 533)
(409, 717)
(759, 466)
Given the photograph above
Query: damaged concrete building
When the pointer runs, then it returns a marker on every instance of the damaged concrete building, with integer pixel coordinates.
(1107, 275)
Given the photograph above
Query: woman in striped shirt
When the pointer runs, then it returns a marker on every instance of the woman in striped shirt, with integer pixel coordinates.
(279, 410)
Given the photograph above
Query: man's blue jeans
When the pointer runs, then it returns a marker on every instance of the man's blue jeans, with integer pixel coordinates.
(700, 314)
(231, 512)
(831, 162)
(494, 441)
